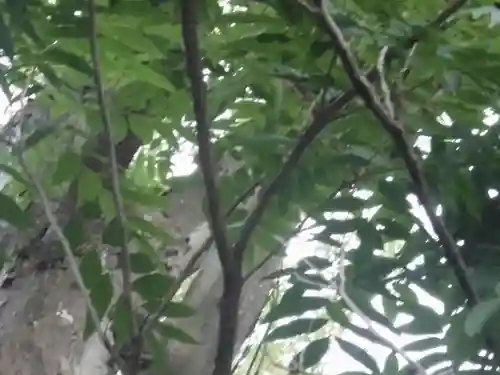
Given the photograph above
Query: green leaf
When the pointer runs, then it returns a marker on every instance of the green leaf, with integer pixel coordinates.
(14, 174)
(89, 186)
(107, 205)
(391, 366)
(222, 94)
(480, 314)
(121, 321)
(101, 293)
(69, 59)
(178, 310)
(6, 42)
(38, 136)
(295, 328)
(334, 226)
(114, 234)
(160, 360)
(144, 128)
(452, 81)
(295, 306)
(153, 287)
(67, 168)
(150, 228)
(346, 203)
(12, 213)
(427, 361)
(171, 332)
(427, 320)
(363, 300)
(90, 265)
(150, 76)
(74, 231)
(424, 344)
(369, 235)
(99, 286)
(141, 263)
(336, 312)
(359, 355)
(313, 352)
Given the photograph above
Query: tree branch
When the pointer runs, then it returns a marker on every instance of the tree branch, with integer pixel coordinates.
(231, 270)
(54, 224)
(198, 92)
(412, 163)
(321, 119)
(117, 197)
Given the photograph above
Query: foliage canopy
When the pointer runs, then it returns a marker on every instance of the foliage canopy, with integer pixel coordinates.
(272, 70)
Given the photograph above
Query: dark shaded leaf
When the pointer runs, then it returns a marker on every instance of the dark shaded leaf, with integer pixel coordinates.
(314, 352)
(346, 203)
(295, 328)
(391, 366)
(12, 213)
(121, 321)
(6, 42)
(74, 232)
(359, 355)
(480, 314)
(424, 344)
(113, 234)
(69, 59)
(178, 310)
(141, 263)
(153, 287)
(14, 174)
(295, 306)
(67, 168)
(171, 332)
(38, 136)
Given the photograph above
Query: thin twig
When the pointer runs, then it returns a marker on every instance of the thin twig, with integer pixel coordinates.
(73, 264)
(116, 193)
(384, 86)
(231, 270)
(70, 257)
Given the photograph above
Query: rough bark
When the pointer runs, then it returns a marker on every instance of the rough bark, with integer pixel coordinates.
(42, 314)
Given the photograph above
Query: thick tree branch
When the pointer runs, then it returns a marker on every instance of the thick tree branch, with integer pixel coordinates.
(321, 119)
(395, 130)
(231, 270)
(116, 193)
(198, 92)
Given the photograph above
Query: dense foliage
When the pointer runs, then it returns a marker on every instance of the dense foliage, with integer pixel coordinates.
(273, 69)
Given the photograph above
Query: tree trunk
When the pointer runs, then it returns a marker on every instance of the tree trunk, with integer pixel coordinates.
(42, 313)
